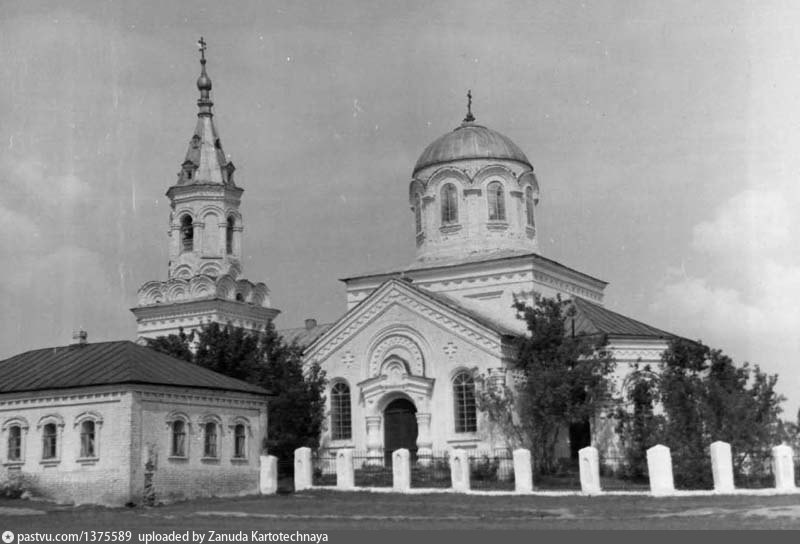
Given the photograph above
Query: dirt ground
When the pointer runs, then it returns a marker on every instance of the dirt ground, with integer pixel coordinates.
(331, 510)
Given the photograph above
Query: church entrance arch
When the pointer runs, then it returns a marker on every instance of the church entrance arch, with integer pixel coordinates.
(399, 428)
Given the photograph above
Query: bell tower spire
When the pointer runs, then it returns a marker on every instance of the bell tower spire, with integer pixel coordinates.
(205, 248)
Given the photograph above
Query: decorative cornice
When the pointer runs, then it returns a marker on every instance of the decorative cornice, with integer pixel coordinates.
(358, 318)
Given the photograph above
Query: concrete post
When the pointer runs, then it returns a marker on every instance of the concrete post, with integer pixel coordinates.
(302, 469)
(783, 467)
(659, 466)
(401, 470)
(459, 470)
(345, 477)
(589, 465)
(268, 476)
(424, 442)
(523, 475)
(374, 442)
(722, 467)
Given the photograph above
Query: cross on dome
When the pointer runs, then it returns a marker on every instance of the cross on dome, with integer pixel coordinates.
(469, 118)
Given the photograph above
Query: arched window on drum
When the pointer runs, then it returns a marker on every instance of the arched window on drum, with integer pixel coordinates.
(341, 427)
(449, 204)
(497, 201)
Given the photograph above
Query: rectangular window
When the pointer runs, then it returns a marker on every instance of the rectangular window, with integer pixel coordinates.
(239, 442)
(178, 439)
(210, 449)
(87, 439)
(49, 441)
(14, 443)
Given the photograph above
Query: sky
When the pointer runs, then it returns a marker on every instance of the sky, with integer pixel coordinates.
(664, 135)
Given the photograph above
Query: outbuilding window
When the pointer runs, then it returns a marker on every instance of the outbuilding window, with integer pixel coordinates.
(210, 440)
(341, 428)
(465, 408)
(88, 439)
(49, 441)
(449, 204)
(497, 201)
(14, 443)
(178, 438)
(239, 441)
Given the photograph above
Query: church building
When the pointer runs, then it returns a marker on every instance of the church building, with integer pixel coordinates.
(401, 361)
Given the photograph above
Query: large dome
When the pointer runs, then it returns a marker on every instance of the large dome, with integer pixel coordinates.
(470, 141)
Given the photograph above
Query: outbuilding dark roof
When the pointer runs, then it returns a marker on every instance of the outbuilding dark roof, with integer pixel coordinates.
(108, 363)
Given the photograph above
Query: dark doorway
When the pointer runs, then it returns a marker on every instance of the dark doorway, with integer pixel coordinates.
(580, 436)
(399, 428)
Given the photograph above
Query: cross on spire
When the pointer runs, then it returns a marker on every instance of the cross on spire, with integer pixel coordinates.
(469, 118)
(202, 46)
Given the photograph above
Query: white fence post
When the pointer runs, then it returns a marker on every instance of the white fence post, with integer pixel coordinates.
(302, 469)
(589, 465)
(459, 470)
(401, 470)
(722, 466)
(659, 466)
(268, 475)
(523, 475)
(345, 477)
(783, 467)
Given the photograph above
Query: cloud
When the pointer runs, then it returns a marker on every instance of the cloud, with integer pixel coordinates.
(745, 299)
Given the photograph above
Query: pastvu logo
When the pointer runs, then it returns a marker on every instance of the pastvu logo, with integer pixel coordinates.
(8, 537)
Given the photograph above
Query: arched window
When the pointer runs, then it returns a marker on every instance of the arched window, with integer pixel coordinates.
(529, 205)
(464, 398)
(239, 442)
(210, 439)
(187, 233)
(340, 412)
(497, 201)
(15, 443)
(49, 441)
(178, 438)
(418, 213)
(229, 235)
(88, 439)
(449, 204)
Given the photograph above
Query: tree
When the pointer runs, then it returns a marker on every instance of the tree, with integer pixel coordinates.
(640, 427)
(704, 397)
(563, 380)
(297, 404)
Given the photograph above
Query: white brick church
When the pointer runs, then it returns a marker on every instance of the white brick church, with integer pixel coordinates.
(401, 361)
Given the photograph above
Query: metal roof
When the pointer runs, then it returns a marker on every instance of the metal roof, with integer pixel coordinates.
(108, 363)
(595, 319)
(470, 141)
(304, 336)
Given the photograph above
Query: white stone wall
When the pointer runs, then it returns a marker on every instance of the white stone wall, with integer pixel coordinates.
(104, 479)
(131, 427)
(193, 475)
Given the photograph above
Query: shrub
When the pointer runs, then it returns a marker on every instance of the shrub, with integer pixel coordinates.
(15, 485)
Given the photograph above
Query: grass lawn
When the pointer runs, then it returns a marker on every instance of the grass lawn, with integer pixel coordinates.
(332, 510)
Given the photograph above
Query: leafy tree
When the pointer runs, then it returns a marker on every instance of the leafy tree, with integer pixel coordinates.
(704, 397)
(297, 407)
(639, 428)
(563, 379)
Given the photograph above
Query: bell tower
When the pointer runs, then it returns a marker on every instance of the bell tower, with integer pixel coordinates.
(205, 242)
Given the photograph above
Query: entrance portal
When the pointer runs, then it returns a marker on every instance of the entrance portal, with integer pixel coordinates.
(399, 428)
